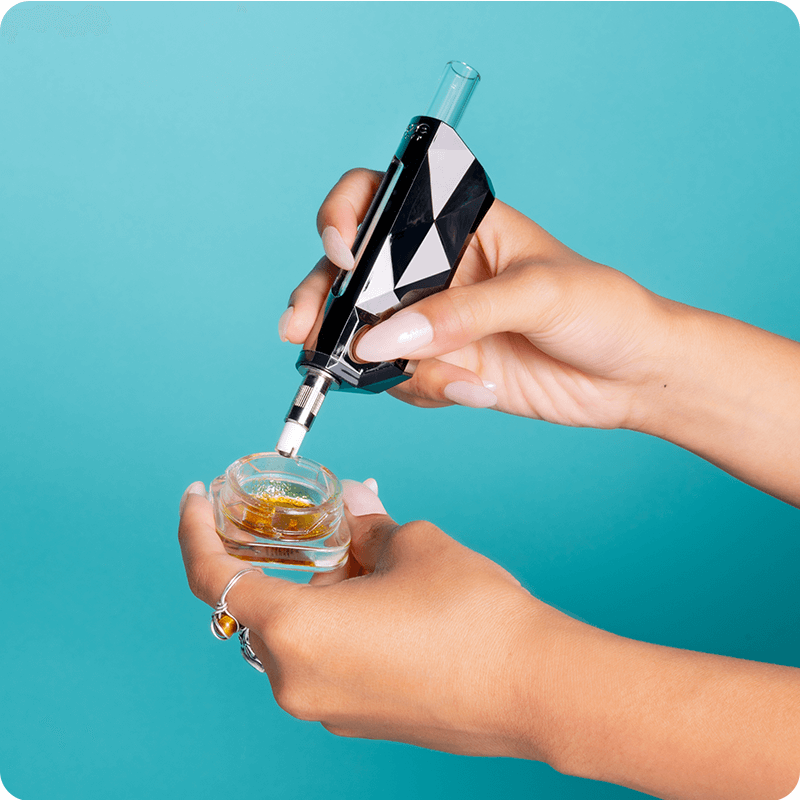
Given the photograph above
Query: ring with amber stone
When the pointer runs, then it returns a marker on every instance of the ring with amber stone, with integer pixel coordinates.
(223, 623)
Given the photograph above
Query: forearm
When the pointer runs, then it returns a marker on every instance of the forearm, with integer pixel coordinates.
(676, 724)
(729, 392)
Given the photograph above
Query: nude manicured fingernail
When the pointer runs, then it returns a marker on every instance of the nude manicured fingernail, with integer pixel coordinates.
(198, 487)
(371, 484)
(360, 499)
(399, 336)
(470, 394)
(283, 323)
(335, 248)
(490, 386)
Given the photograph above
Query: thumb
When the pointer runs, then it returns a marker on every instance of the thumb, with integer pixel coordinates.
(371, 528)
(452, 319)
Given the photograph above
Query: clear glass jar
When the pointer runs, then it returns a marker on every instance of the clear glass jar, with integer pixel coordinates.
(281, 512)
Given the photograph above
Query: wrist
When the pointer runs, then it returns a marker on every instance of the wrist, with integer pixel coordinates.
(668, 388)
(677, 723)
(545, 698)
(726, 391)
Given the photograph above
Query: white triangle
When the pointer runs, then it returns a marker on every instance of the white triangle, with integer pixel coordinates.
(429, 260)
(378, 293)
(447, 139)
(448, 159)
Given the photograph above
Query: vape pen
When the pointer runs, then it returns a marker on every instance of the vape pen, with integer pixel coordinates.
(429, 204)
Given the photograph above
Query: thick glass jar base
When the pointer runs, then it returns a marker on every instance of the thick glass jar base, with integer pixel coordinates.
(280, 555)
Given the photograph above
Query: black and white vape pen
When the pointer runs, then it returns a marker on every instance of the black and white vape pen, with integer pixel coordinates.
(429, 204)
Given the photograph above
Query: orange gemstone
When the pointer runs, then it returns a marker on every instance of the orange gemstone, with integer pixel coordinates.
(227, 624)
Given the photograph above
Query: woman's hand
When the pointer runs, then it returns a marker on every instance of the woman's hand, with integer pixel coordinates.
(553, 335)
(534, 329)
(417, 639)
(420, 640)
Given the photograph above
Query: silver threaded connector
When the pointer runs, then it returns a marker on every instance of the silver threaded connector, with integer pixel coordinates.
(303, 412)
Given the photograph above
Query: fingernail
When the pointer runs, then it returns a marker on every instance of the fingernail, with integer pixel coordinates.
(371, 484)
(283, 323)
(470, 394)
(490, 386)
(360, 499)
(198, 487)
(399, 336)
(335, 248)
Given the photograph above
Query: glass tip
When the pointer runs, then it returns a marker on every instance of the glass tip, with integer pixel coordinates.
(456, 86)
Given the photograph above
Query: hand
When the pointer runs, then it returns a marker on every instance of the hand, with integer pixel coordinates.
(553, 335)
(416, 639)
(420, 640)
(534, 329)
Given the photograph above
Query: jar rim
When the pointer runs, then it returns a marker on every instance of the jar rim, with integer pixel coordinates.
(250, 500)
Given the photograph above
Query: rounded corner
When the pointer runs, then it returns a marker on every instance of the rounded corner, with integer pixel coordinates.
(792, 6)
(11, 8)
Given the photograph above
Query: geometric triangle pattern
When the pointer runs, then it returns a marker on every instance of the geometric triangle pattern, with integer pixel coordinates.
(378, 292)
(438, 211)
(431, 200)
(429, 252)
(448, 160)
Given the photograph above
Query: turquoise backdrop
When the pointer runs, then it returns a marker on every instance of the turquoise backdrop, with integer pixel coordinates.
(161, 165)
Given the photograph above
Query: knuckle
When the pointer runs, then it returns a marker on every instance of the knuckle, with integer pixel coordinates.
(339, 730)
(294, 702)
(350, 194)
(361, 174)
(278, 637)
(351, 173)
(421, 527)
(200, 578)
(550, 286)
(423, 537)
(469, 310)
(290, 634)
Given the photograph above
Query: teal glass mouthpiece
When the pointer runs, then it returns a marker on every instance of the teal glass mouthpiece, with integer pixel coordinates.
(455, 89)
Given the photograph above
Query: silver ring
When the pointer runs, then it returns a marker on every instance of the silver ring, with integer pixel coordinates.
(223, 623)
(247, 652)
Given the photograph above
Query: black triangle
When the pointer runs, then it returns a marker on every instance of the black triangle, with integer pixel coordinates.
(471, 186)
(404, 247)
(425, 286)
(417, 208)
(454, 228)
(413, 221)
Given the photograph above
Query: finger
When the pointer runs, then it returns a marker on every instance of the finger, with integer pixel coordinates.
(436, 384)
(198, 487)
(351, 568)
(518, 300)
(337, 222)
(329, 578)
(379, 544)
(346, 204)
(209, 567)
(306, 302)
(342, 211)
(336, 250)
(516, 294)
(371, 529)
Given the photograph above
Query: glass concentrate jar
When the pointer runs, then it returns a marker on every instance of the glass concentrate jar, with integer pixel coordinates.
(285, 513)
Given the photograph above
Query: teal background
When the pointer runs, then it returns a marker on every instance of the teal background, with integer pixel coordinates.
(161, 165)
